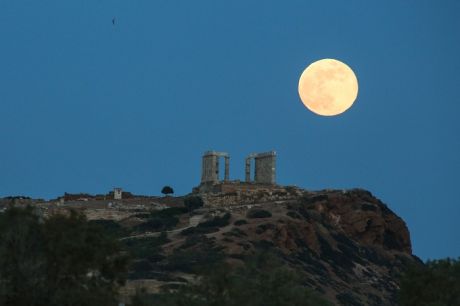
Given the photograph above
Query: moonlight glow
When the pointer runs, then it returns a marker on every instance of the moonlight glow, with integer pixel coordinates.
(328, 87)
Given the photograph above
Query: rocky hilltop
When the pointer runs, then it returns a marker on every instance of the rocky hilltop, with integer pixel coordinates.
(346, 244)
(349, 246)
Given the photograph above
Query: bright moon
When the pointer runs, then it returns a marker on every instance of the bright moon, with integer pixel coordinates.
(328, 87)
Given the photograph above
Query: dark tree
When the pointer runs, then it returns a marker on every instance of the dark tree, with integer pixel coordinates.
(435, 283)
(22, 258)
(167, 190)
(62, 261)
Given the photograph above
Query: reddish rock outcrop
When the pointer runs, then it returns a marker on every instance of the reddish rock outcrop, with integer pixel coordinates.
(348, 244)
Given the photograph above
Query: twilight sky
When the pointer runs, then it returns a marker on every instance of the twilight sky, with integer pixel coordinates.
(86, 105)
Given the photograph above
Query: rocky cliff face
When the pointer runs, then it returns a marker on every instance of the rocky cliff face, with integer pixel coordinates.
(350, 246)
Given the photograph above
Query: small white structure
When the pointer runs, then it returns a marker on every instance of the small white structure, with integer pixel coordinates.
(117, 192)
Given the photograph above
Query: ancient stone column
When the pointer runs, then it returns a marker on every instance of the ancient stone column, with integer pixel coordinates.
(247, 169)
(209, 171)
(264, 165)
(210, 168)
(227, 167)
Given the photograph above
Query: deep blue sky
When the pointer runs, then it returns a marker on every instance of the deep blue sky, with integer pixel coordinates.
(86, 106)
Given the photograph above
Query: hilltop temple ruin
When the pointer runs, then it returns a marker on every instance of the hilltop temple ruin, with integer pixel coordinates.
(264, 172)
(259, 185)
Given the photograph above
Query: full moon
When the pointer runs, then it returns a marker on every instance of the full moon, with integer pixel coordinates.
(328, 87)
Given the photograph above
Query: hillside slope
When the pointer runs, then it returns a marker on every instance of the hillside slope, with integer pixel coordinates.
(348, 245)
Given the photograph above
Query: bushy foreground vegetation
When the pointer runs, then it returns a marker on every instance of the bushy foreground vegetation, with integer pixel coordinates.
(63, 260)
(193, 202)
(258, 213)
(161, 220)
(437, 283)
(261, 281)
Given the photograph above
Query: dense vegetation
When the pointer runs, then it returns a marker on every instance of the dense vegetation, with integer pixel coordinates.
(111, 228)
(66, 261)
(62, 260)
(261, 281)
(162, 220)
(193, 202)
(144, 253)
(240, 222)
(258, 213)
(437, 283)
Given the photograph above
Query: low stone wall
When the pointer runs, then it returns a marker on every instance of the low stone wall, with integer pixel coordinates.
(247, 197)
